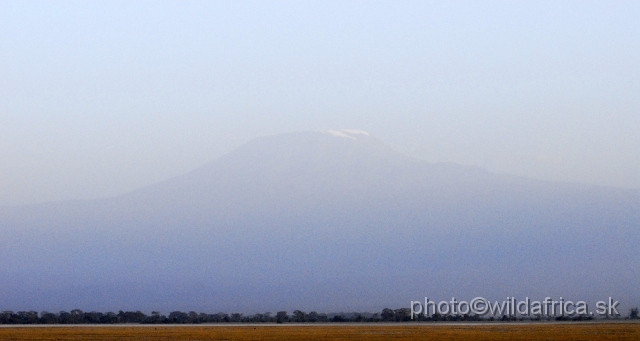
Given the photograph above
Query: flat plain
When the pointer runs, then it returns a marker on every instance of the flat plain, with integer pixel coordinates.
(551, 331)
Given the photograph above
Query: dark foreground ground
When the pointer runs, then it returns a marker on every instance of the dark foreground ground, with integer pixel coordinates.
(351, 332)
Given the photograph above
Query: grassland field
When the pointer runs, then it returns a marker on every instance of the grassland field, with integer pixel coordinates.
(351, 332)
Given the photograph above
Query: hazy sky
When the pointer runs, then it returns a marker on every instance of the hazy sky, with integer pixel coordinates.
(98, 98)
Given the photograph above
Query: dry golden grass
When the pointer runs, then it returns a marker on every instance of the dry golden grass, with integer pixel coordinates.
(575, 331)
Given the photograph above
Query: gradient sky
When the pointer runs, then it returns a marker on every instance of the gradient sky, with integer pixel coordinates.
(98, 98)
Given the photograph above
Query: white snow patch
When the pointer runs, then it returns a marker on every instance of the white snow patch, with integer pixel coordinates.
(355, 132)
(338, 133)
(346, 133)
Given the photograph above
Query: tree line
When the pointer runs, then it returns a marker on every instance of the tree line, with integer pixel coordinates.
(78, 316)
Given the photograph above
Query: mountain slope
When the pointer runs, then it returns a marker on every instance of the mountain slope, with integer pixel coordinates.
(321, 220)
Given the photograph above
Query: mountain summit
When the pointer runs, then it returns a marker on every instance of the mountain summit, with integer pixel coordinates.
(348, 133)
(329, 220)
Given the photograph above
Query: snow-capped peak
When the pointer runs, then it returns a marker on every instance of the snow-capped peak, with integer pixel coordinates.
(348, 133)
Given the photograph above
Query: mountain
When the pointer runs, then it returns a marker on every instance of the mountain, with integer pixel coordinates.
(326, 221)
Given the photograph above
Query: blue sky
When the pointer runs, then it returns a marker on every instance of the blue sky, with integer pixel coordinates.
(98, 98)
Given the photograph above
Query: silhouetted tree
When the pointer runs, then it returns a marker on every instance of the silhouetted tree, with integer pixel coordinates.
(178, 317)
(154, 318)
(339, 318)
(109, 318)
(299, 316)
(312, 317)
(387, 315)
(92, 317)
(358, 318)
(402, 314)
(64, 317)
(282, 317)
(76, 316)
(48, 318)
(268, 317)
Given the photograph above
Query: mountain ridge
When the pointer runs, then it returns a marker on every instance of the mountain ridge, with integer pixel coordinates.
(312, 220)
